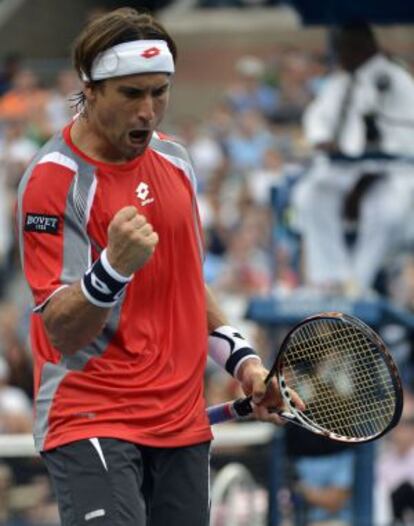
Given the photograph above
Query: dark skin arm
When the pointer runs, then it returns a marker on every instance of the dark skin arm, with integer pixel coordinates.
(331, 499)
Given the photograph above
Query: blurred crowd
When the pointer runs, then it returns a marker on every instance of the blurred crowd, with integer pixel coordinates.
(250, 153)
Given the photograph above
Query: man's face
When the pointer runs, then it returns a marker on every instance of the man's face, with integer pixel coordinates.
(353, 48)
(124, 112)
(348, 54)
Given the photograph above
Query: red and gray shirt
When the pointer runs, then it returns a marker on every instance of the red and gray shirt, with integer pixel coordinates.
(141, 379)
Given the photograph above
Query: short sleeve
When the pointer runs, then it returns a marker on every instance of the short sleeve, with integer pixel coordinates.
(51, 222)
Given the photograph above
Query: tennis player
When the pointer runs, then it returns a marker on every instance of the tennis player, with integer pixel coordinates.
(111, 247)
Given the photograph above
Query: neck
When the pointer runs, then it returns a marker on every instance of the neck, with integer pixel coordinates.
(365, 57)
(85, 137)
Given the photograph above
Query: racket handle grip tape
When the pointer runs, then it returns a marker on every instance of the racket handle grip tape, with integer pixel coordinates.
(235, 410)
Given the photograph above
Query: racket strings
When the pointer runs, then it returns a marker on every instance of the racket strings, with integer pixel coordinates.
(341, 376)
(351, 406)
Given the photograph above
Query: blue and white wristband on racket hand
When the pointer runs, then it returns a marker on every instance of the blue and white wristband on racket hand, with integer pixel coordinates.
(101, 284)
(229, 349)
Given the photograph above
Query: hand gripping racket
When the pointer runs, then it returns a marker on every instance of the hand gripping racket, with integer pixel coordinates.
(344, 374)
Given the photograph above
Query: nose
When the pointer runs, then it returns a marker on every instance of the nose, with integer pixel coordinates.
(145, 109)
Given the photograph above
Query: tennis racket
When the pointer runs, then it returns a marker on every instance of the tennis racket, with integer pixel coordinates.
(344, 374)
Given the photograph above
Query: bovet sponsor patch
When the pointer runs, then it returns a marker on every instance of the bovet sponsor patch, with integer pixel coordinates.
(41, 223)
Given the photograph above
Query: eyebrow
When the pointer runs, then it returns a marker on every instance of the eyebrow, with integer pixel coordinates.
(138, 90)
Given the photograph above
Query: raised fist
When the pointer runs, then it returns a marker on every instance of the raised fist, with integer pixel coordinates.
(131, 241)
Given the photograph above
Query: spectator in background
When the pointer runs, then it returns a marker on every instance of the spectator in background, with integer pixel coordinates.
(318, 69)
(401, 282)
(205, 152)
(216, 227)
(322, 478)
(246, 269)
(25, 100)
(250, 91)
(10, 66)
(6, 482)
(395, 471)
(16, 150)
(366, 106)
(6, 234)
(248, 141)
(15, 406)
(260, 181)
(294, 95)
(14, 346)
(59, 109)
(220, 123)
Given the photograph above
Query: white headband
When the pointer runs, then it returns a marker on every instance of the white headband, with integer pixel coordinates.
(130, 58)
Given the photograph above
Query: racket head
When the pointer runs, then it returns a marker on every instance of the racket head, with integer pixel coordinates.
(344, 373)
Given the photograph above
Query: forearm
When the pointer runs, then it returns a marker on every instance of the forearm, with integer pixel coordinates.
(215, 316)
(234, 358)
(331, 499)
(71, 321)
(228, 348)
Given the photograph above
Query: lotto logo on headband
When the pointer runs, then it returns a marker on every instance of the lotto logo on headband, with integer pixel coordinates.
(151, 52)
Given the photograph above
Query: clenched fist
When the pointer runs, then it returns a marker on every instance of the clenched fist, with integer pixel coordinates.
(131, 241)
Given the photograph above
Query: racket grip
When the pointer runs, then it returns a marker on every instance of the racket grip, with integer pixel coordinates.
(235, 410)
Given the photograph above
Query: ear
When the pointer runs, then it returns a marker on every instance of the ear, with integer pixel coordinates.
(89, 90)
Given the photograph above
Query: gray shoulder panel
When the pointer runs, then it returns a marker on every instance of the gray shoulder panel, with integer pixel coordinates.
(177, 155)
(76, 255)
(76, 243)
(169, 147)
(54, 144)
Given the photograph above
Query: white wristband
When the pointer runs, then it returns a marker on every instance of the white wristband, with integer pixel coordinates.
(229, 349)
(110, 269)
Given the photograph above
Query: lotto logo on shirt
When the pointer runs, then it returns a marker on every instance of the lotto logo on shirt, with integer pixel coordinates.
(41, 223)
(143, 194)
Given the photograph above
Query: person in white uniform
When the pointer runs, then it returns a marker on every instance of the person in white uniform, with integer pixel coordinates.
(366, 106)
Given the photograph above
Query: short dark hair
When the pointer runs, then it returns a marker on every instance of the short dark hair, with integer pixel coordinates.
(353, 44)
(358, 31)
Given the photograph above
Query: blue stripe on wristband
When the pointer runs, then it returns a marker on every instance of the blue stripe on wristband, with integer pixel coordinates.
(102, 285)
(237, 357)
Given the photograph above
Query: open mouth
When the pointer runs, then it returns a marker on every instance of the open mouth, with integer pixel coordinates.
(138, 136)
